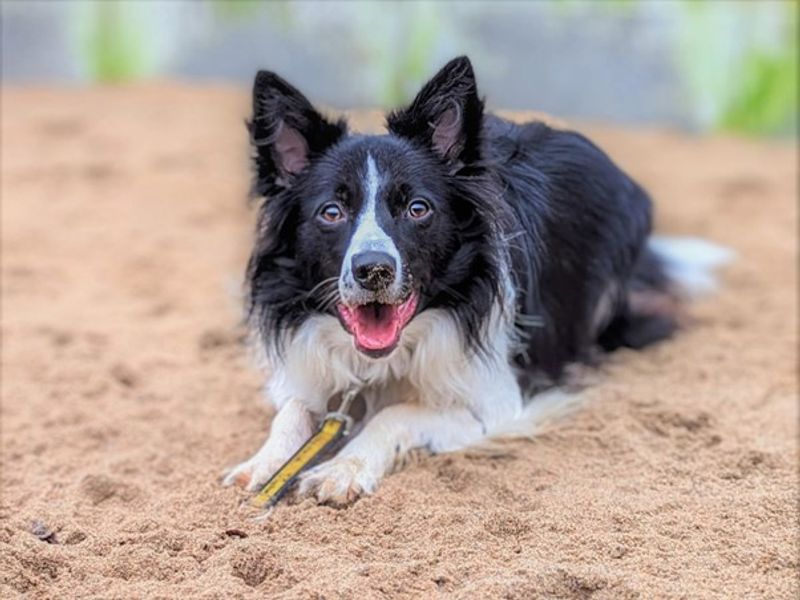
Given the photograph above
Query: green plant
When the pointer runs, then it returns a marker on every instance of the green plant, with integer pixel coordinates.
(413, 62)
(739, 61)
(241, 9)
(765, 101)
(113, 44)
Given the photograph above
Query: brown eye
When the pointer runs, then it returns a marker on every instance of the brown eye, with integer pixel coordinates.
(331, 213)
(419, 209)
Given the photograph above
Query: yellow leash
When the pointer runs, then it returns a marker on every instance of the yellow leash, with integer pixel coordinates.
(334, 426)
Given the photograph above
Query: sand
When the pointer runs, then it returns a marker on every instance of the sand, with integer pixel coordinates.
(126, 390)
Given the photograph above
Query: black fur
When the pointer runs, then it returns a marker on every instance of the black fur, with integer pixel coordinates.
(551, 204)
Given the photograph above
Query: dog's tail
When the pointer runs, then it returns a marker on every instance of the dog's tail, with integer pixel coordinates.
(670, 271)
(690, 264)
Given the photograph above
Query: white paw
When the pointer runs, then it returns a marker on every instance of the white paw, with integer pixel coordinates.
(254, 473)
(339, 481)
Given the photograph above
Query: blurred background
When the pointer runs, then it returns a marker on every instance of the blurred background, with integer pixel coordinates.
(720, 65)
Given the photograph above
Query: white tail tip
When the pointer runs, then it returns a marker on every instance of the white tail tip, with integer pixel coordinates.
(691, 262)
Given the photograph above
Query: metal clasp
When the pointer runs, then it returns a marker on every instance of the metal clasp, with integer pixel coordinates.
(341, 413)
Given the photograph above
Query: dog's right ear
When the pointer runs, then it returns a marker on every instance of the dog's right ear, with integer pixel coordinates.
(286, 133)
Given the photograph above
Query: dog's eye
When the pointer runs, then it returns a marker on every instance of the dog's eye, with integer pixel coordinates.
(331, 213)
(418, 209)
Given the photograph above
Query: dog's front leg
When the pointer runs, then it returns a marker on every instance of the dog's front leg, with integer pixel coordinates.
(385, 440)
(291, 427)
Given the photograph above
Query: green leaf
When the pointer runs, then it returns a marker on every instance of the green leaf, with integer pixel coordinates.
(113, 45)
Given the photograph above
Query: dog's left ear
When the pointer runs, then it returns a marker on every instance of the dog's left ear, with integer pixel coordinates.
(286, 132)
(446, 115)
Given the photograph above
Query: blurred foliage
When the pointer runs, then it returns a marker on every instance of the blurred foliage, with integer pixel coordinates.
(113, 46)
(766, 99)
(738, 65)
(607, 6)
(237, 10)
(410, 61)
(741, 61)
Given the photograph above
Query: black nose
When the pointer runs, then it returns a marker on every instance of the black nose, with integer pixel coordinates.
(373, 270)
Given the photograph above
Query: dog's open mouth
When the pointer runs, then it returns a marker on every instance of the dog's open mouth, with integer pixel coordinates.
(376, 327)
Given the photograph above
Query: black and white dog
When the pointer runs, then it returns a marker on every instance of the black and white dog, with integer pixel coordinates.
(448, 269)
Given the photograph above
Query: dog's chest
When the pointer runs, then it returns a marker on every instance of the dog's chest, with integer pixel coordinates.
(322, 361)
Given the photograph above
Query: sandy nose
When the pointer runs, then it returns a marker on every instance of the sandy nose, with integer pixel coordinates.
(373, 270)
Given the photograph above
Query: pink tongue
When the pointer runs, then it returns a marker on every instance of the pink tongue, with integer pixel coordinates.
(376, 329)
(378, 326)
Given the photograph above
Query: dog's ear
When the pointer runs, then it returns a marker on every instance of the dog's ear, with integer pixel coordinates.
(286, 132)
(446, 115)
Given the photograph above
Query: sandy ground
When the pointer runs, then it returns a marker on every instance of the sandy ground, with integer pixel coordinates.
(126, 390)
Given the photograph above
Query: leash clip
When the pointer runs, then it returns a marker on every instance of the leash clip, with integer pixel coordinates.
(344, 407)
(334, 426)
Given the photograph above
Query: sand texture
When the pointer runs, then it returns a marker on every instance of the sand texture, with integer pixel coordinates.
(127, 389)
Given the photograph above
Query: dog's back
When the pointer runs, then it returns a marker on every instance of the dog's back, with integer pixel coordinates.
(578, 232)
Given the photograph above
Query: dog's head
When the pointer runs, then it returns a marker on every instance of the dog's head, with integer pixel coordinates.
(372, 229)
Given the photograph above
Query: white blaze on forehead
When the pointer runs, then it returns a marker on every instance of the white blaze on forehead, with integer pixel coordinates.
(369, 235)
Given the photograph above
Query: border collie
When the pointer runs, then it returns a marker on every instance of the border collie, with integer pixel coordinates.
(449, 270)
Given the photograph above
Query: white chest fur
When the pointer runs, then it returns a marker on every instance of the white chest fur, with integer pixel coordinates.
(430, 366)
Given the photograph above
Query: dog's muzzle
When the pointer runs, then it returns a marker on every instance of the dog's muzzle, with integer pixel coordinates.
(375, 305)
(373, 270)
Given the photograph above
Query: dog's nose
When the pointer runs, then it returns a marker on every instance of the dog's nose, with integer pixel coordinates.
(373, 270)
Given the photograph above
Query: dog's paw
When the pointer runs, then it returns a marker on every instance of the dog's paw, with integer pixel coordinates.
(252, 474)
(338, 481)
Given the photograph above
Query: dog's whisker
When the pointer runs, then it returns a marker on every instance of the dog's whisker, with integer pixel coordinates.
(321, 285)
